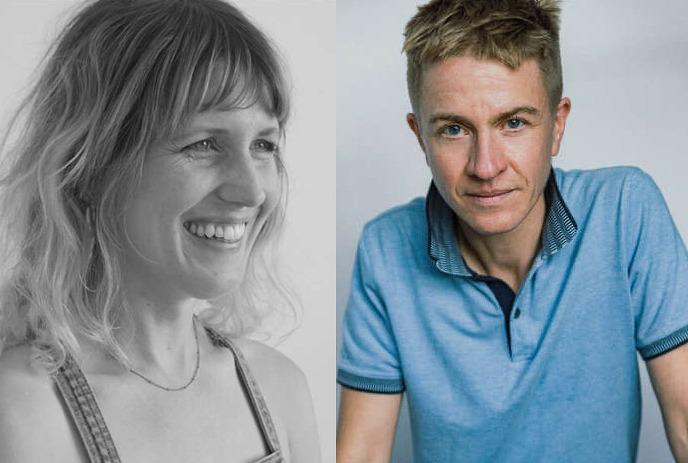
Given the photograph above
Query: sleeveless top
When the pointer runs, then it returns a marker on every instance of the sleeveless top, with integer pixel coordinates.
(81, 403)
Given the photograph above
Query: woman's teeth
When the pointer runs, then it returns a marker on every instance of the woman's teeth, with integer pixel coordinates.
(224, 232)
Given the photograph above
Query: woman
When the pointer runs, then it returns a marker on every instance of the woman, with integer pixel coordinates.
(144, 193)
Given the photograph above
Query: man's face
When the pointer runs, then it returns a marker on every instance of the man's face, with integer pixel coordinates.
(488, 136)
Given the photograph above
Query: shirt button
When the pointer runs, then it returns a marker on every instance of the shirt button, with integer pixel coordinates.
(517, 313)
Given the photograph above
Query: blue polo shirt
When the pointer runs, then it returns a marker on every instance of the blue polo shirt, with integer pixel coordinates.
(562, 385)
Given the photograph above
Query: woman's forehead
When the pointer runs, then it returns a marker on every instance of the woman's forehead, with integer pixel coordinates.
(227, 119)
(221, 80)
(217, 107)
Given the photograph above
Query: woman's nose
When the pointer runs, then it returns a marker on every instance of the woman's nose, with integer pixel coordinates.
(241, 182)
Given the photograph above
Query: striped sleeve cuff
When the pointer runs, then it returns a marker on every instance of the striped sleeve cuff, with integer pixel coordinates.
(376, 385)
(665, 344)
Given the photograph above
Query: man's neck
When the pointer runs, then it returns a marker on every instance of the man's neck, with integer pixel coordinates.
(507, 256)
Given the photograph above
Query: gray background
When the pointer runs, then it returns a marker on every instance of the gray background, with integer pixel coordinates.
(625, 69)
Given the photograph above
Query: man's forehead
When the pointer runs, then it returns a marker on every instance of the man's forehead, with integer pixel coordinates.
(468, 64)
(476, 83)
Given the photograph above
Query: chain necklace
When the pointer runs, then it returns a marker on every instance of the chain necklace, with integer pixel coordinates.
(193, 377)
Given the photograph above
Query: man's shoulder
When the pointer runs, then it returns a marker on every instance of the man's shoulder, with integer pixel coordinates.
(397, 231)
(404, 216)
(608, 187)
(615, 177)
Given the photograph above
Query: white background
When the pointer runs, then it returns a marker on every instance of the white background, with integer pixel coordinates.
(304, 32)
(625, 68)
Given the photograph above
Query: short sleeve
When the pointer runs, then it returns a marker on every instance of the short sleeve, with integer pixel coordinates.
(368, 357)
(657, 268)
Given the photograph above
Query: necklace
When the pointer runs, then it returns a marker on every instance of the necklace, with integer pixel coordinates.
(193, 376)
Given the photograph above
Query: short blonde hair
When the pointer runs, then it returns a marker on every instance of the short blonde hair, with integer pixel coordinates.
(509, 31)
(122, 74)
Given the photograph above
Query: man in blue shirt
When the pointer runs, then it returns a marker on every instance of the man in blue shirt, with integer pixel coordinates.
(509, 304)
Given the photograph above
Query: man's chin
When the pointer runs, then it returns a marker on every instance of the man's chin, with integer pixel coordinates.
(494, 225)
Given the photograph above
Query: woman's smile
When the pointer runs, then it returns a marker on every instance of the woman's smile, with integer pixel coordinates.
(225, 235)
(218, 197)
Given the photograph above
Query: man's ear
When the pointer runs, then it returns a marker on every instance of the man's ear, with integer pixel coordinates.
(562, 113)
(415, 128)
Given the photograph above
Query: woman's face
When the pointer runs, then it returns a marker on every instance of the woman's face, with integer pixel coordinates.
(204, 196)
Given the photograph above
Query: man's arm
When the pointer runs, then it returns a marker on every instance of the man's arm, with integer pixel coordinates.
(366, 426)
(669, 375)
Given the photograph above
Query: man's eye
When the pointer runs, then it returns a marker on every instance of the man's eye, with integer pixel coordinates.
(265, 147)
(453, 130)
(203, 146)
(513, 124)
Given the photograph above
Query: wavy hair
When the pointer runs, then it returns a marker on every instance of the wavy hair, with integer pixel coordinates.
(122, 74)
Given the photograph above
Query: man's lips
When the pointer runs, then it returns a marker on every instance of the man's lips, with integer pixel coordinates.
(489, 198)
(489, 194)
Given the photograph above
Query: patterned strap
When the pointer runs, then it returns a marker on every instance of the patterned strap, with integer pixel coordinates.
(81, 402)
(256, 397)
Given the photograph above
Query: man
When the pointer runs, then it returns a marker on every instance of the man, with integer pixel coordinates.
(509, 304)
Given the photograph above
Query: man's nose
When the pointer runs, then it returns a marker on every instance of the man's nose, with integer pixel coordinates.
(487, 159)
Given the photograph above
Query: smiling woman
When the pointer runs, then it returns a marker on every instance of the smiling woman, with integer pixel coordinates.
(143, 196)
(209, 195)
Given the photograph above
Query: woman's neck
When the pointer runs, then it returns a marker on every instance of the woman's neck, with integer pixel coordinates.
(161, 330)
(158, 335)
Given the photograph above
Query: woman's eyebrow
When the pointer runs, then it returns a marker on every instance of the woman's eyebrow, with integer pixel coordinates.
(269, 131)
(222, 131)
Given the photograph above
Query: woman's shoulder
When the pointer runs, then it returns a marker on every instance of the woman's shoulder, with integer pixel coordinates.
(270, 366)
(279, 378)
(288, 396)
(32, 422)
(22, 378)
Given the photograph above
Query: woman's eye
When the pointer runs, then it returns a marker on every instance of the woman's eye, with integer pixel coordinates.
(202, 146)
(453, 130)
(265, 147)
(514, 124)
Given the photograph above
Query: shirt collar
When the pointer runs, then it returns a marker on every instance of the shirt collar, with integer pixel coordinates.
(559, 228)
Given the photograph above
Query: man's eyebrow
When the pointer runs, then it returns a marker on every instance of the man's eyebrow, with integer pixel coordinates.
(451, 117)
(513, 112)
